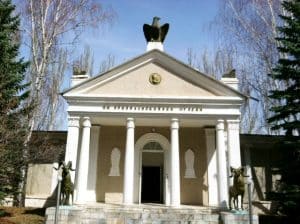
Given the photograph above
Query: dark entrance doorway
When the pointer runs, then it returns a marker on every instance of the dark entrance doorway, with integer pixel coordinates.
(151, 184)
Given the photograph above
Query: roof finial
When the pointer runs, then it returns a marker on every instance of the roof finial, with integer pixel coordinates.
(155, 34)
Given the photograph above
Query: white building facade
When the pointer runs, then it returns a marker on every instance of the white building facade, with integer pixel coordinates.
(153, 130)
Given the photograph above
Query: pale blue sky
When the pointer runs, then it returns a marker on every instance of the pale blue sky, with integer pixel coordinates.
(189, 28)
(189, 21)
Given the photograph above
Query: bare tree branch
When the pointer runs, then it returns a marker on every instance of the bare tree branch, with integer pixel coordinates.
(47, 24)
(249, 27)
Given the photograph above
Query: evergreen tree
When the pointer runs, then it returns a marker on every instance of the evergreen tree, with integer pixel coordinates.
(12, 93)
(286, 117)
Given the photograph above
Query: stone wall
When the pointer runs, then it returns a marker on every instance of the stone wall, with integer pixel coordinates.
(41, 185)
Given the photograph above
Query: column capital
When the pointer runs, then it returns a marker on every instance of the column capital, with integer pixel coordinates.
(130, 122)
(233, 124)
(73, 121)
(233, 121)
(174, 123)
(86, 122)
(220, 124)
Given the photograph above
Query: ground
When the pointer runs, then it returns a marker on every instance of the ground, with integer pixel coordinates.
(13, 215)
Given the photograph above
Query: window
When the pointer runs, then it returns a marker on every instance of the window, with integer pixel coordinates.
(152, 146)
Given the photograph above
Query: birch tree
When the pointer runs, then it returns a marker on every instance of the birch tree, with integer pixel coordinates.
(249, 27)
(52, 103)
(52, 28)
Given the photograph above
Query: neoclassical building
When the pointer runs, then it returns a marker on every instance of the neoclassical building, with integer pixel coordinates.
(153, 130)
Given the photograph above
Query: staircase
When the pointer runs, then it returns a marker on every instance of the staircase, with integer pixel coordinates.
(143, 214)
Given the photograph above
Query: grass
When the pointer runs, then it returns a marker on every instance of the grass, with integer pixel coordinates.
(13, 215)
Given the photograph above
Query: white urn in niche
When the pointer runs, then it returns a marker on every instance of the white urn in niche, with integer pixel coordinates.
(189, 158)
(115, 163)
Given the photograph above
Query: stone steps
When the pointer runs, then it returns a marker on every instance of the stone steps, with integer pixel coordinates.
(142, 215)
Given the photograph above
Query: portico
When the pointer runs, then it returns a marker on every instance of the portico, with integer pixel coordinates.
(153, 121)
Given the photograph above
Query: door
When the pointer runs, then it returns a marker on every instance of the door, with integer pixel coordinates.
(151, 184)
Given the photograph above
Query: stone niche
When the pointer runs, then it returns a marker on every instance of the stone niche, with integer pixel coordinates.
(189, 158)
(115, 163)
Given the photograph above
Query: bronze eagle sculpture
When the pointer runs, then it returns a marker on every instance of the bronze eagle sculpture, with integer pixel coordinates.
(155, 32)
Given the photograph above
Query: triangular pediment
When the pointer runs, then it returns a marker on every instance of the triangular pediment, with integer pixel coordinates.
(141, 82)
(154, 74)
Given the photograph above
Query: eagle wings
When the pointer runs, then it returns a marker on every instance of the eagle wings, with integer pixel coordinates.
(154, 32)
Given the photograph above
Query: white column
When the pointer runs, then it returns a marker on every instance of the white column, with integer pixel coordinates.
(174, 162)
(93, 166)
(233, 143)
(221, 165)
(129, 164)
(210, 135)
(72, 143)
(83, 167)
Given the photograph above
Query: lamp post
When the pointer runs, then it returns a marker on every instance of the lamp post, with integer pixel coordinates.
(250, 201)
(59, 179)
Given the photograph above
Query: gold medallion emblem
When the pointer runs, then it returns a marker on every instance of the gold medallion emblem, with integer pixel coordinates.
(154, 79)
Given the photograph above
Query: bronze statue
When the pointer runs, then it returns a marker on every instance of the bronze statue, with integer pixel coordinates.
(238, 187)
(67, 187)
(155, 32)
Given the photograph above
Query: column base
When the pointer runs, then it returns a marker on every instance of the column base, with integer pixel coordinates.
(91, 195)
(175, 206)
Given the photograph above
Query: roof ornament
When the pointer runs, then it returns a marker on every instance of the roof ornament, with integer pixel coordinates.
(230, 79)
(155, 32)
(230, 74)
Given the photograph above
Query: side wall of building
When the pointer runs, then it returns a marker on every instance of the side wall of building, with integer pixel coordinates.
(262, 157)
(41, 185)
